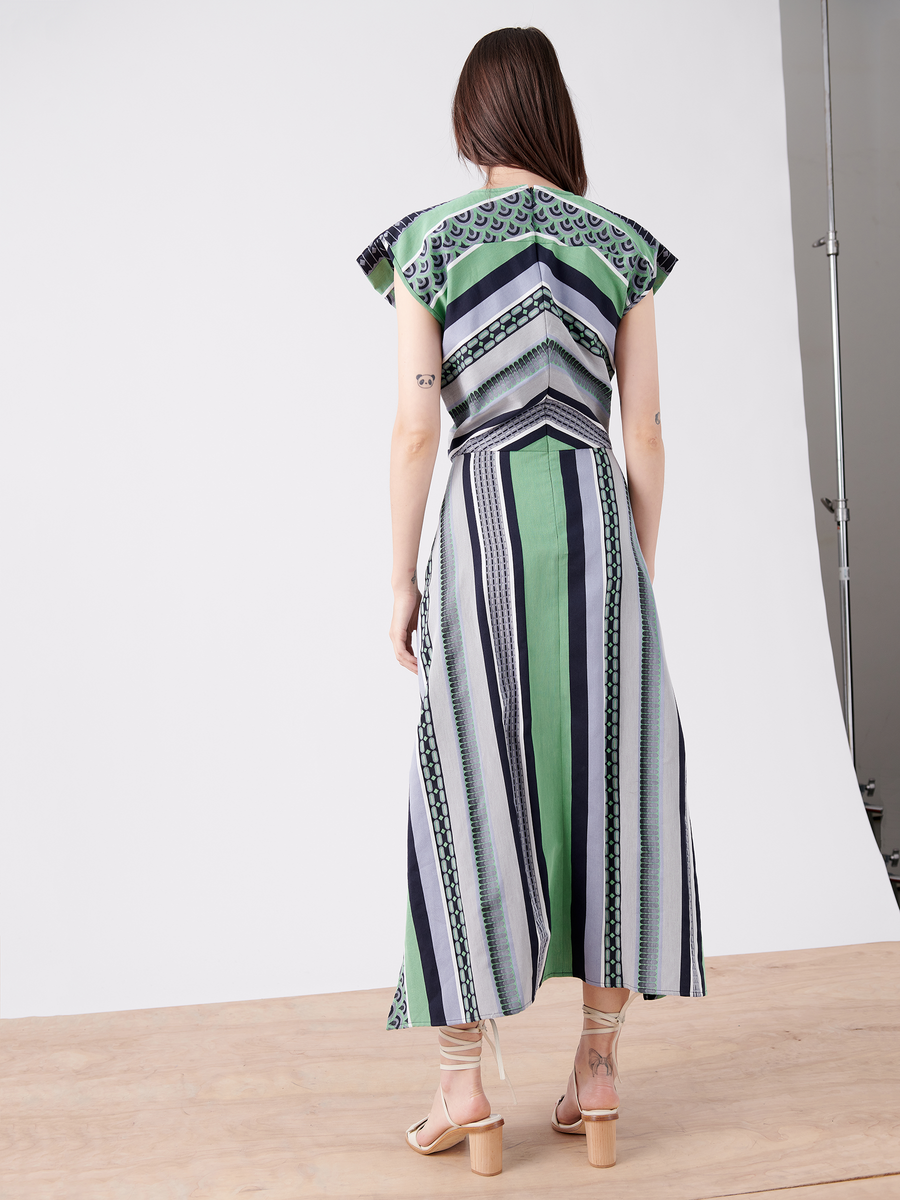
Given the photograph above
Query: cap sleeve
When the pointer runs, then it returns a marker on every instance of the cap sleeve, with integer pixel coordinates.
(377, 260)
(651, 268)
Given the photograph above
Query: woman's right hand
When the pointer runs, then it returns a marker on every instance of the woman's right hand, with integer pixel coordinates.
(403, 622)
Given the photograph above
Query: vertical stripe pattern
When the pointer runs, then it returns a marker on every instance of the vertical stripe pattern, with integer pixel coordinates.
(549, 831)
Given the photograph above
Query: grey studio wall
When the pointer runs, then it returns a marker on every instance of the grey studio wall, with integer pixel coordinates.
(865, 56)
(206, 740)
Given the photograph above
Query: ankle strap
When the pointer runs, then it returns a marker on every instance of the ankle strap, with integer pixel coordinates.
(613, 1020)
(471, 1060)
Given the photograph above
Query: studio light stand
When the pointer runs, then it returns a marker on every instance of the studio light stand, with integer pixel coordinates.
(838, 506)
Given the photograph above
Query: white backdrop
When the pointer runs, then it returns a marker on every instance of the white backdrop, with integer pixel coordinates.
(204, 736)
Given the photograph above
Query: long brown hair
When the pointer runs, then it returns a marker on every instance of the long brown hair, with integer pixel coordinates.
(512, 109)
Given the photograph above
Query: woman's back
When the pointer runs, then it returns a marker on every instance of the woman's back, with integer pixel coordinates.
(529, 285)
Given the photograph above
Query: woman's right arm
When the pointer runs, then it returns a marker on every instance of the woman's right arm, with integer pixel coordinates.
(414, 445)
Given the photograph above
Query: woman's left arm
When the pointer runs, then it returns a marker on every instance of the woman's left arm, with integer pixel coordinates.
(645, 457)
(414, 445)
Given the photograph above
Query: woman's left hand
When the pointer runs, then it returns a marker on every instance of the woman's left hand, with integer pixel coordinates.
(403, 622)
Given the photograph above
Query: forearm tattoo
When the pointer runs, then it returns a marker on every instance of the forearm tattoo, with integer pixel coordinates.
(425, 381)
(656, 418)
(414, 578)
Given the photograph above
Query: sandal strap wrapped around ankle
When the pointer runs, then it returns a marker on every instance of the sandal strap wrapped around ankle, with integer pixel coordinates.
(614, 1020)
(473, 1060)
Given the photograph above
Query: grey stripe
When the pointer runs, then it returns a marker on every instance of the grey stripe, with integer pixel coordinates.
(652, 864)
(595, 592)
(457, 805)
(670, 834)
(629, 735)
(432, 782)
(613, 900)
(696, 978)
(493, 362)
(482, 314)
(516, 385)
(513, 900)
(547, 412)
(458, 675)
(421, 811)
(511, 293)
(428, 862)
(496, 359)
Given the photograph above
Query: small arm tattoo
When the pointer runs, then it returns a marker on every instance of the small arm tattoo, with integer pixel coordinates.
(596, 1061)
(425, 381)
(414, 578)
(656, 418)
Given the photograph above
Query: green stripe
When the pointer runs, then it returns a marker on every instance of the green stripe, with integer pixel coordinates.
(382, 277)
(538, 492)
(416, 995)
(661, 277)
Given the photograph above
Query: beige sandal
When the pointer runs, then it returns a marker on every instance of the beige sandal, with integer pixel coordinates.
(596, 1124)
(485, 1136)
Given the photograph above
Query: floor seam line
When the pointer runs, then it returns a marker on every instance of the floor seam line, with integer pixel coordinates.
(794, 1187)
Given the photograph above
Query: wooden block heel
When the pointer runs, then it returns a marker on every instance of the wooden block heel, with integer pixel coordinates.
(485, 1136)
(601, 1139)
(598, 1125)
(486, 1150)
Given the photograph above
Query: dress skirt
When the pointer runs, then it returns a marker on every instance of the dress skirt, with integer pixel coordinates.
(548, 823)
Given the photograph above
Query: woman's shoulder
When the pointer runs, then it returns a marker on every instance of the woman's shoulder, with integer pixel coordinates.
(402, 240)
(633, 249)
(444, 231)
(619, 224)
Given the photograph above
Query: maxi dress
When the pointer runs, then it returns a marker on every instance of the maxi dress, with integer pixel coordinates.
(548, 824)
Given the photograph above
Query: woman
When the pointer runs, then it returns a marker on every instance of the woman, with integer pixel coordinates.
(548, 827)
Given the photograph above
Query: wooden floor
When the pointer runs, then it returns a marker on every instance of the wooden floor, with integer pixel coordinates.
(784, 1083)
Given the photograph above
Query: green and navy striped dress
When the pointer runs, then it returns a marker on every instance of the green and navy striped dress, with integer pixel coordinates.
(548, 823)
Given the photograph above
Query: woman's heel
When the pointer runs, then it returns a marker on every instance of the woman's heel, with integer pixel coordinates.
(601, 1139)
(486, 1149)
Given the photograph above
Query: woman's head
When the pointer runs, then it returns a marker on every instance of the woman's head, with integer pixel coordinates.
(512, 109)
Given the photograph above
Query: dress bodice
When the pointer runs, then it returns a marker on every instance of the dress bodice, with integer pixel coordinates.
(529, 285)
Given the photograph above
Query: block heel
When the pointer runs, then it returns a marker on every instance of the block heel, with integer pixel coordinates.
(598, 1125)
(486, 1149)
(601, 1137)
(485, 1136)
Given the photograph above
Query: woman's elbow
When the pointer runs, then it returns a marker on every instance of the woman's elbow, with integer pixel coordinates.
(417, 441)
(643, 441)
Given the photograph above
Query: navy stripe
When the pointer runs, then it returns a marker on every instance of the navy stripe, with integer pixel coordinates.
(578, 701)
(544, 431)
(686, 905)
(534, 252)
(419, 912)
(697, 924)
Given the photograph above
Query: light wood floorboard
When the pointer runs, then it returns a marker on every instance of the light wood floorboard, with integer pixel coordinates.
(783, 1079)
(879, 1187)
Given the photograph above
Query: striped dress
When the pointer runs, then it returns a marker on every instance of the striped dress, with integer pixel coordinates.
(548, 824)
